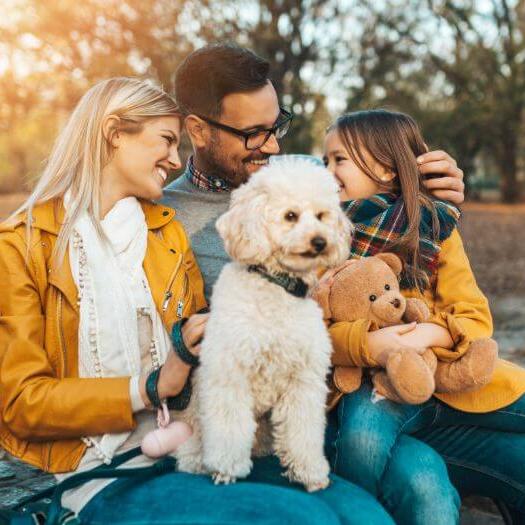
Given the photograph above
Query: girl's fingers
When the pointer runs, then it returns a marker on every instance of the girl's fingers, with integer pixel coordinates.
(405, 328)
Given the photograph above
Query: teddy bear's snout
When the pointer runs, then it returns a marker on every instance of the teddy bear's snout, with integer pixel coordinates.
(396, 303)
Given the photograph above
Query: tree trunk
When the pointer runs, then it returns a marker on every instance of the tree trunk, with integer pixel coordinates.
(508, 168)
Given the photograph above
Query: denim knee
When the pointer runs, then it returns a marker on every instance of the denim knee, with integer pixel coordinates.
(362, 456)
(416, 488)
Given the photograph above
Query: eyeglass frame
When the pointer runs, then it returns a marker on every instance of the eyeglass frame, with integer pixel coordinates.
(247, 134)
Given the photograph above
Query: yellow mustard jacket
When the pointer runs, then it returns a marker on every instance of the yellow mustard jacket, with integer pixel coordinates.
(457, 304)
(44, 406)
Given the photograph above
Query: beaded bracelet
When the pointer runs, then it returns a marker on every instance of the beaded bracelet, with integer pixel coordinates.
(152, 382)
(180, 347)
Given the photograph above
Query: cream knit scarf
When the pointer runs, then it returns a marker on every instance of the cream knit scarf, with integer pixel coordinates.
(113, 289)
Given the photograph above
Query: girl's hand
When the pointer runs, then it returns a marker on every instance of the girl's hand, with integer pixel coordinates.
(448, 183)
(386, 340)
(428, 335)
(174, 372)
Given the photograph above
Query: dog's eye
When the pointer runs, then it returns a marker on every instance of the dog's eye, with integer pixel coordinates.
(373, 298)
(321, 215)
(291, 216)
(387, 287)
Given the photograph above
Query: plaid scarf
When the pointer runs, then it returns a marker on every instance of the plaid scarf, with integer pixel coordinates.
(381, 222)
(203, 181)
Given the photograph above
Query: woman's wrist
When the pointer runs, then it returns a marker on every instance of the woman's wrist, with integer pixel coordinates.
(142, 391)
(171, 384)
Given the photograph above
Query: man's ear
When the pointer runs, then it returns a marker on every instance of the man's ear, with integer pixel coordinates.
(395, 263)
(110, 130)
(197, 130)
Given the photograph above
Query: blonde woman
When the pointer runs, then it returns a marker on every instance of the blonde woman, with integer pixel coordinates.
(94, 276)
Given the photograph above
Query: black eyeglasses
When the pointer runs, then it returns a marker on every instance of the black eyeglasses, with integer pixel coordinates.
(257, 139)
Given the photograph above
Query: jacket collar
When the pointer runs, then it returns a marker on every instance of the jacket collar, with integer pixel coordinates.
(49, 216)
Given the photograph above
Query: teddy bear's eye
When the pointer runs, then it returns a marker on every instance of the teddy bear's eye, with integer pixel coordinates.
(373, 298)
(387, 287)
(291, 216)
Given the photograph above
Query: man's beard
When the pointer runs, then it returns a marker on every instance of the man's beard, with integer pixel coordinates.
(214, 162)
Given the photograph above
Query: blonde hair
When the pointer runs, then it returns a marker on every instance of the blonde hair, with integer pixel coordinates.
(81, 150)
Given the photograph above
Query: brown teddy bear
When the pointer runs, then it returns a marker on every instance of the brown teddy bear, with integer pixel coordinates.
(368, 288)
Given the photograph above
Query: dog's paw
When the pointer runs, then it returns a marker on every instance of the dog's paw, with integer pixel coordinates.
(313, 476)
(228, 468)
(318, 485)
(223, 479)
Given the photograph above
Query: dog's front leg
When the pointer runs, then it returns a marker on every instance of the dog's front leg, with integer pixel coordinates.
(299, 424)
(228, 427)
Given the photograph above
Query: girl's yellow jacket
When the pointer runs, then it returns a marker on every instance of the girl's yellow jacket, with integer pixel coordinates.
(44, 407)
(457, 304)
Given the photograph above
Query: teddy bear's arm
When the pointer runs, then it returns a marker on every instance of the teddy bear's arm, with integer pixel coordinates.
(416, 310)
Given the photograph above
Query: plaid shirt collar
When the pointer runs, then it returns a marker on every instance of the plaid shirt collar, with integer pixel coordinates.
(203, 181)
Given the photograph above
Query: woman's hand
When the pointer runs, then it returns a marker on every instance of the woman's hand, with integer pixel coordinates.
(386, 340)
(174, 372)
(447, 183)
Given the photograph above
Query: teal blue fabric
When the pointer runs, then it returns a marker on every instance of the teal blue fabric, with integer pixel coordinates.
(415, 458)
(265, 498)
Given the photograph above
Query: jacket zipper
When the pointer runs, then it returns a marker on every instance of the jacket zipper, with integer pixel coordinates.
(61, 332)
(180, 303)
(62, 345)
(168, 294)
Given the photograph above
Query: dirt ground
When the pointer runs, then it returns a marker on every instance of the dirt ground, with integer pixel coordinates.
(494, 237)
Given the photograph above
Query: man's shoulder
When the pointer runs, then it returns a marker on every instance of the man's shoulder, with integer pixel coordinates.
(175, 190)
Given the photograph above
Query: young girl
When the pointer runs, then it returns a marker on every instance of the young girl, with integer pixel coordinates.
(381, 445)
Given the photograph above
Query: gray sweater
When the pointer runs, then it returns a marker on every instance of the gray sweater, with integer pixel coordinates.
(198, 210)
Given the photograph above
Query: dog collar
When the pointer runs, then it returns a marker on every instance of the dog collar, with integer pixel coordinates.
(293, 285)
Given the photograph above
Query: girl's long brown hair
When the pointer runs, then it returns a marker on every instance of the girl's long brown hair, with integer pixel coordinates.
(394, 141)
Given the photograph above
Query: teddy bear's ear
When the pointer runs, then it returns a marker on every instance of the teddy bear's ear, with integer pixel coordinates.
(393, 261)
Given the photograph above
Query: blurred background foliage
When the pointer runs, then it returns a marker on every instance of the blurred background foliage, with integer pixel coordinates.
(457, 66)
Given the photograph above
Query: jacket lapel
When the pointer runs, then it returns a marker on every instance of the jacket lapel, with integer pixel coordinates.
(159, 262)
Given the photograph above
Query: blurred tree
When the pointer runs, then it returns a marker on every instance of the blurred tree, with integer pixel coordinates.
(460, 69)
(297, 37)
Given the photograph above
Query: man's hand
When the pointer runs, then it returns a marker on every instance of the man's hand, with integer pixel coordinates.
(449, 186)
(193, 332)
(385, 340)
(321, 293)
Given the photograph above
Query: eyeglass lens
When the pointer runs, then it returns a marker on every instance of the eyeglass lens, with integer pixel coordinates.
(257, 140)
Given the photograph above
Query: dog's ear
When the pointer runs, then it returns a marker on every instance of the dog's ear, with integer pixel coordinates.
(344, 232)
(243, 226)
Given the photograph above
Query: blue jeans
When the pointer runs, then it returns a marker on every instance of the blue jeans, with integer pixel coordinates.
(265, 497)
(401, 453)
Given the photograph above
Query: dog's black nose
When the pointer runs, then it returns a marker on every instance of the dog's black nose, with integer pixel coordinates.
(318, 243)
(396, 303)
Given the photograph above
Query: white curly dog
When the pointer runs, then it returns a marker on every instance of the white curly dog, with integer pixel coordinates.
(266, 352)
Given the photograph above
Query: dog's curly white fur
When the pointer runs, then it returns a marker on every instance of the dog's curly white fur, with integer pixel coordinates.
(266, 353)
